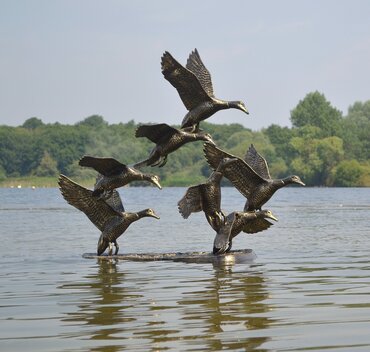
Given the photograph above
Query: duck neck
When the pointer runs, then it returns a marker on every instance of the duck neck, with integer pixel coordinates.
(215, 177)
(131, 217)
(286, 181)
(146, 177)
(232, 104)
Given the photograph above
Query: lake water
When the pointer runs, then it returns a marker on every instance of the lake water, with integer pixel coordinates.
(308, 288)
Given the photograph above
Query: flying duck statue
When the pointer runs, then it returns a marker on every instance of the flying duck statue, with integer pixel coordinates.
(255, 184)
(194, 85)
(108, 216)
(167, 140)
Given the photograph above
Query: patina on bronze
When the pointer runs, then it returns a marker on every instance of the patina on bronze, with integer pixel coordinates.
(111, 222)
(207, 197)
(238, 221)
(255, 184)
(113, 174)
(195, 89)
(167, 140)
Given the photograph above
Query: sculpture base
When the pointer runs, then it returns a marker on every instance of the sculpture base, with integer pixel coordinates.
(233, 257)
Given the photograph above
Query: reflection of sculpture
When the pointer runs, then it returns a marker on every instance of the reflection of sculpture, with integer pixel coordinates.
(107, 292)
(206, 197)
(194, 86)
(255, 184)
(111, 222)
(236, 222)
(114, 174)
(167, 140)
(228, 304)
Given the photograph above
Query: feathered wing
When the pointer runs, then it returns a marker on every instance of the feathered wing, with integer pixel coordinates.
(188, 86)
(191, 202)
(114, 201)
(158, 134)
(256, 225)
(239, 173)
(257, 162)
(105, 166)
(97, 210)
(195, 65)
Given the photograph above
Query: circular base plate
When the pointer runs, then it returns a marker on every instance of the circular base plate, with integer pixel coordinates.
(237, 256)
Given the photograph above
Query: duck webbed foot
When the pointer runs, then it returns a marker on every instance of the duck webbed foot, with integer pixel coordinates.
(163, 162)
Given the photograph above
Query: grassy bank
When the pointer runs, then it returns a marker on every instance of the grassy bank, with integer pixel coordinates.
(39, 182)
(44, 182)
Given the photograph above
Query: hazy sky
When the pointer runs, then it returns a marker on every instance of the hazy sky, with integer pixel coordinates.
(66, 60)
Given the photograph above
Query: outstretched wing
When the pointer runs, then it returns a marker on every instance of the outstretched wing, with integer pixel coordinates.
(257, 162)
(113, 199)
(191, 202)
(158, 134)
(239, 173)
(105, 166)
(195, 65)
(190, 89)
(256, 225)
(96, 209)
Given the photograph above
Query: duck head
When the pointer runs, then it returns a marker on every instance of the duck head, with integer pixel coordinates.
(149, 213)
(203, 136)
(293, 179)
(268, 214)
(238, 105)
(155, 180)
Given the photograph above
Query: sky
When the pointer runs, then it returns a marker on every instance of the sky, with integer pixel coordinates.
(65, 60)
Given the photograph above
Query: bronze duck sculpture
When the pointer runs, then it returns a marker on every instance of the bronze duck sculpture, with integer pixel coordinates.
(167, 140)
(236, 222)
(107, 216)
(255, 183)
(194, 86)
(113, 174)
(207, 197)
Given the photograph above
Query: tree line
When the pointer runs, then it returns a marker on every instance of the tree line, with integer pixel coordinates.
(323, 147)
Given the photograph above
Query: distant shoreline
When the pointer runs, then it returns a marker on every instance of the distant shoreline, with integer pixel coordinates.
(52, 182)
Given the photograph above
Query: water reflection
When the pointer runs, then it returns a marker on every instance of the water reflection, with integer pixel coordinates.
(228, 307)
(207, 306)
(103, 300)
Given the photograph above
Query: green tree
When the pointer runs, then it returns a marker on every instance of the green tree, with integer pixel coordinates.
(47, 166)
(32, 123)
(2, 173)
(347, 173)
(315, 110)
(355, 131)
(95, 121)
(330, 151)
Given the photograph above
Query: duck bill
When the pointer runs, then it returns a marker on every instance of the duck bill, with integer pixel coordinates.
(301, 183)
(273, 217)
(242, 108)
(155, 216)
(157, 184)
